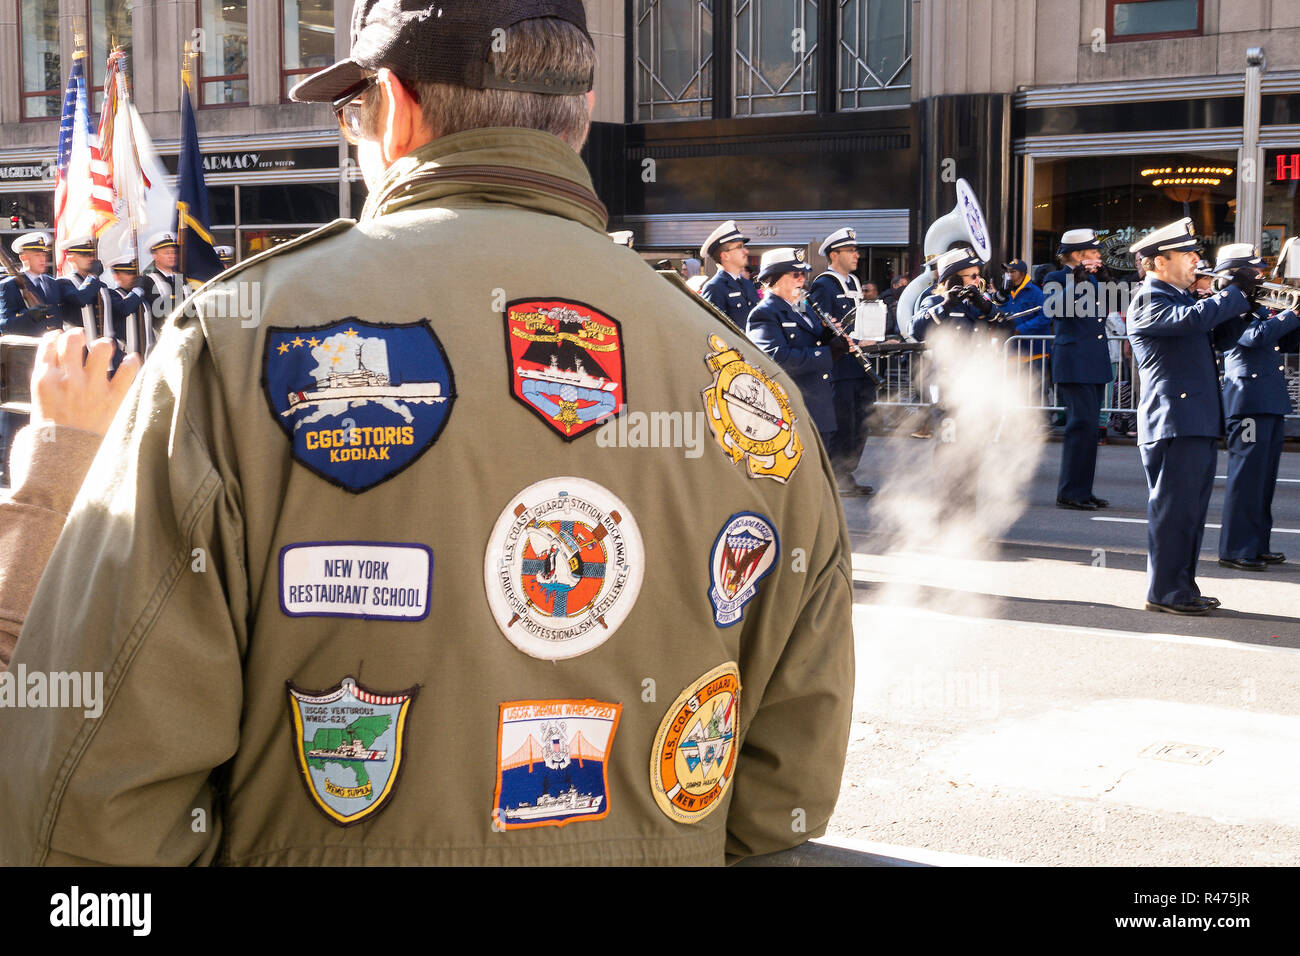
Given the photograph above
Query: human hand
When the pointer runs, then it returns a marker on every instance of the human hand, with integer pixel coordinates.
(67, 392)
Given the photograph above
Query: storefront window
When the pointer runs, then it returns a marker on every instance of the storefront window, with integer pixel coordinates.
(313, 204)
(42, 77)
(875, 53)
(308, 39)
(776, 56)
(674, 59)
(223, 52)
(1281, 203)
(34, 209)
(1123, 197)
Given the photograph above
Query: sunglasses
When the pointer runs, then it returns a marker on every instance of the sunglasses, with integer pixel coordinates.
(347, 108)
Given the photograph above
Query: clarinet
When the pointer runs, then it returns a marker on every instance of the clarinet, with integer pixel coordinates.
(838, 329)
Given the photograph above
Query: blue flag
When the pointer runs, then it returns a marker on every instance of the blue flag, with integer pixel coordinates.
(197, 259)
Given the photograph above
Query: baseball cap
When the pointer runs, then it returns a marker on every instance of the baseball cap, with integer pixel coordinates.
(444, 42)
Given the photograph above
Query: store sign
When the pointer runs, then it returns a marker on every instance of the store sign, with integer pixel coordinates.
(1287, 167)
(26, 172)
(262, 160)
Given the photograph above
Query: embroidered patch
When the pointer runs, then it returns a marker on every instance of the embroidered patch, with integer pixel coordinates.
(694, 753)
(348, 744)
(373, 580)
(566, 363)
(359, 400)
(750, 415)
(744, 553)
(563, 567)
(553, 762)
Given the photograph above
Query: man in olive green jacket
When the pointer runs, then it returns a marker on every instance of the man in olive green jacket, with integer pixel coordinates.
(415, 578)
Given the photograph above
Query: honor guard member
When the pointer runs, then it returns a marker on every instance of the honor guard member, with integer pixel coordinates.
(226, 254)
(165, 287)
(729, 291)
(838, 293)
(85, 284)
(127, 310)
(603, 644)
(1081, 369)
(1255, 401)
(794, 340)
(1180, 418)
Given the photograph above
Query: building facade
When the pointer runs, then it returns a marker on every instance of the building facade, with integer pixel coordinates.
(793, 117)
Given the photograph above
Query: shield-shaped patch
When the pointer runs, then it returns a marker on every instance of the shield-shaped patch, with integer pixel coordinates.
(360, 401)
(566, 363)
(347, 742)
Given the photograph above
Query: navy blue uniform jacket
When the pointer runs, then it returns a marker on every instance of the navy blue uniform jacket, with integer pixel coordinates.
(1080, 355)
(733, 297)
(797, 344)
(829, 296)
(51, 291)
(1254, 380)
(1170, 334)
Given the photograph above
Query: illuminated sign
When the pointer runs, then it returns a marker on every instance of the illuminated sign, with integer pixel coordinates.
(1287, 166)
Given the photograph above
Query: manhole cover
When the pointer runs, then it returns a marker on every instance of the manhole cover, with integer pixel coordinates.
(1196, 754)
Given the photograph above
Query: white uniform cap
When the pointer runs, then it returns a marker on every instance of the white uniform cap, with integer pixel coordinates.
(955, 260)
(1171, 238)
(622, 237)
(1237, 255)
(161, 240)
(777, 262)
(727, 232)
(838, 239)
(31, 242)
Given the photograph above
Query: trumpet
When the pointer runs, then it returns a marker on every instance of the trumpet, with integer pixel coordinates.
(1272, 295)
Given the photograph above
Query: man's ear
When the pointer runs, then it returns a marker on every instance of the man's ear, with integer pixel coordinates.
(402, 128)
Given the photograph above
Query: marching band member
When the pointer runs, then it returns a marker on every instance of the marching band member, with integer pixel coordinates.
(796, 341)
(837, 292)
(1255, 400)
(1081, 365)
(729, 291)
(1180, 418)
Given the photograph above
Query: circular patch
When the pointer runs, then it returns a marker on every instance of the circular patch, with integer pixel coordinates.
(563, 567)
(694, 754)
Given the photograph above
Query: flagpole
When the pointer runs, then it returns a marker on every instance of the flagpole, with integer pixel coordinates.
(182, 208)
(124, 103)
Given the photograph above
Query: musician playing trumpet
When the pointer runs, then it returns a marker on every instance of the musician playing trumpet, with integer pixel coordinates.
(1255, 401)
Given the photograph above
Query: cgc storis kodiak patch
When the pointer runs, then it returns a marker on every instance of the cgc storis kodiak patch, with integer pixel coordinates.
(744, 553)
(694, 754)
(750, 415)
(360, 401)
(553, 762)
(563, 567)
(566, 363)
(348, 745)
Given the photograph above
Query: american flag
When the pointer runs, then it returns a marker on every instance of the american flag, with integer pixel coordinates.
(83, 198)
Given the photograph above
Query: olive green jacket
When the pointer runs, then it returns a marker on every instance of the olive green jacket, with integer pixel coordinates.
(167, 578)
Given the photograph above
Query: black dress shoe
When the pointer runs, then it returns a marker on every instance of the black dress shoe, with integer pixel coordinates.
(850, 489)
(1076, 504)
(1099, 502)
(1179, 608)
(1243, 565)
(1271, 557)
(1209, 601)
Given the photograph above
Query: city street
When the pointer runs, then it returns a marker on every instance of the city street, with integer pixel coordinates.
(1015, 702)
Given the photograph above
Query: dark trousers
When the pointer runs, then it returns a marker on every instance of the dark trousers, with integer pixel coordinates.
(1180, 477)
(853, 398)
(1252, 476)
(1079, 454)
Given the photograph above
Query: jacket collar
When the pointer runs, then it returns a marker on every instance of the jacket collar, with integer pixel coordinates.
(525, 168)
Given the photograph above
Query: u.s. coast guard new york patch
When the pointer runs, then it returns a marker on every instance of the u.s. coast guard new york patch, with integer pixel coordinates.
(743, 554)
(750, 415)
(359, 400)
(563, 567)
(553, 762)
(566, 363)
(694, 754)
(348, 745)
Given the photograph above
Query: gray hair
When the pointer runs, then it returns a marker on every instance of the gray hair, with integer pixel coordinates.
(541, 45)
